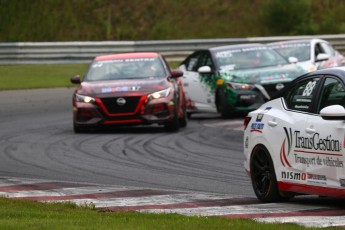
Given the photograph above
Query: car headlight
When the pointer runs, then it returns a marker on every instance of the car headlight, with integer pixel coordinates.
(159, 94)
(85, 99)
(240, 86)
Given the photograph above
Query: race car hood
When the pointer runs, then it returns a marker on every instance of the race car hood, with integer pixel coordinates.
(122, 87)
(266, 75)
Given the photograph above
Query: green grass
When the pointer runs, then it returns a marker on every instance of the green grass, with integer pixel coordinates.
(38, 76)
(42, 76)
(25, 214)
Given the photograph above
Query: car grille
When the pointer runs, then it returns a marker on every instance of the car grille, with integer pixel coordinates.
(114, 108)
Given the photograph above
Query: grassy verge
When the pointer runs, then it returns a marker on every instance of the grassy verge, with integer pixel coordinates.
(24, 214)
(41, 76)
(38, 76)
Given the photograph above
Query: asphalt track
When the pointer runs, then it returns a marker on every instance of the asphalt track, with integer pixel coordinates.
(37, 141)
(197, 171)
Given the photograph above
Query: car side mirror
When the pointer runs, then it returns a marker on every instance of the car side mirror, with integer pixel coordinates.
(176, 73)
(333, 112)
(293, 60)
(204, 69)
(322, 57)
(75, 79)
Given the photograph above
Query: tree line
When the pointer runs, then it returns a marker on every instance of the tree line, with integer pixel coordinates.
(116, 20)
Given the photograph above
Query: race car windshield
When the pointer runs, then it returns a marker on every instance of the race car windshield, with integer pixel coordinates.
(300, 50)
(133, 68)
(248, 58)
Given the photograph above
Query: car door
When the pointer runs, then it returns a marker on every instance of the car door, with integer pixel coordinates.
(327, 138)
(335, 59)
(196, 85)
(292, 145)
(320, 48)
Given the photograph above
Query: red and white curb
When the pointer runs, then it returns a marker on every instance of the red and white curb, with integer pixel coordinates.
(119, 198)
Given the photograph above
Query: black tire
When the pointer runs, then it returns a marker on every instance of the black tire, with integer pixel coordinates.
(174, 124)
(225, 109)
(183, 120)
(263, 177)
(79, 128)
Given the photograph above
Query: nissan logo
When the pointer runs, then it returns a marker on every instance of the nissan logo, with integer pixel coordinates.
(121, 101)
(279, 86)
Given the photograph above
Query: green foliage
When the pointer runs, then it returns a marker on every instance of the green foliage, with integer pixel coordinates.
(289, 17)
(99, 20)
(331, 19)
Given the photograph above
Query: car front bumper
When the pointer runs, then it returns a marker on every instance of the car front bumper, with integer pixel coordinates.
(157, 111)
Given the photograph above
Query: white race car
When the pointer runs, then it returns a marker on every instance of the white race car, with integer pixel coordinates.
(312, 54)
(295, 144)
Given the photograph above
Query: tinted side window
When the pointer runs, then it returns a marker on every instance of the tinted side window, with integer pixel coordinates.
(333, 93)
(328, 49)
(300, 97)
(205, 60)
(192, 62)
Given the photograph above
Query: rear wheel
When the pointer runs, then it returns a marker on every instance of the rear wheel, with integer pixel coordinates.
(263, 177)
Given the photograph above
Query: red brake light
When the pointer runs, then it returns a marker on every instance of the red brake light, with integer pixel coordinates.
(246, 121)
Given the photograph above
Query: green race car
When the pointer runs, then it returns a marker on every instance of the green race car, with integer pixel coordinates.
(235, 79)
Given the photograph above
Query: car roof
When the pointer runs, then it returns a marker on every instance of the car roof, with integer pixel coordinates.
(127, 56)
(240, 46)
(308, 40)
(335, 71)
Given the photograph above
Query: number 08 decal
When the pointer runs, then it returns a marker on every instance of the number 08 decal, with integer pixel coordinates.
(309, 88)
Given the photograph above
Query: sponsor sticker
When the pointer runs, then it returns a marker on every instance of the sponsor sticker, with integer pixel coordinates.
(257, 127)
(294, 176)
(301, 176)
(120, 89)
(267, 109)
(259, 117)
(314, 150)
(317, 179)
(226, 68)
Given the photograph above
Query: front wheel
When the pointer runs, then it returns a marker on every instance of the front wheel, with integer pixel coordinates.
(174, 124)
(183, 119)
(263, 177)
(225, 109)
(78, 128)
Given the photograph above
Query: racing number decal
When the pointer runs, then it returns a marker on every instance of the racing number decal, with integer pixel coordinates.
(309, 88)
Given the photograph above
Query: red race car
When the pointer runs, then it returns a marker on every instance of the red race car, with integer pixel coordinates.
(129, 89)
